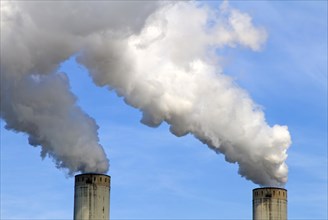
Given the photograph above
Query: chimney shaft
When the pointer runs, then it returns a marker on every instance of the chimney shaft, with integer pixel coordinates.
(269, 203)
(91, 197)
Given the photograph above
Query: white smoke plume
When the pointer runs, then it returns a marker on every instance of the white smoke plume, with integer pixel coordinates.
(36, 36)
(163, 63)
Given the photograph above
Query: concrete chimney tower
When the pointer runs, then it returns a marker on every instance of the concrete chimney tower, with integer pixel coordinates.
(91, 197)
(269, 203)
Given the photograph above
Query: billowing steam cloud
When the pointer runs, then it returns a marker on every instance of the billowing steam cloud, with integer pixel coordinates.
(36, 37)
(161, 57)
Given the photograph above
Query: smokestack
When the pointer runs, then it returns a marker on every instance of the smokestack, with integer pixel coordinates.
(91, 196)
(269, 203)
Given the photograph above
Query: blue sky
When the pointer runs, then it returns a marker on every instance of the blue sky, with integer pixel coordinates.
(156, 175)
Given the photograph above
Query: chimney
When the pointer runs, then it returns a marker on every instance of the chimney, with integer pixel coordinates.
(269, 203)
(91, 196)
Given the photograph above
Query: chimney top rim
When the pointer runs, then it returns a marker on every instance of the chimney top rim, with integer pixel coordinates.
(91, 174)
(277, 188)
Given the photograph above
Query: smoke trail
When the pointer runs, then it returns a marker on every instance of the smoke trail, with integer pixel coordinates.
(36, 37)
(41, 105)
(168, 71)
(165, 65)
